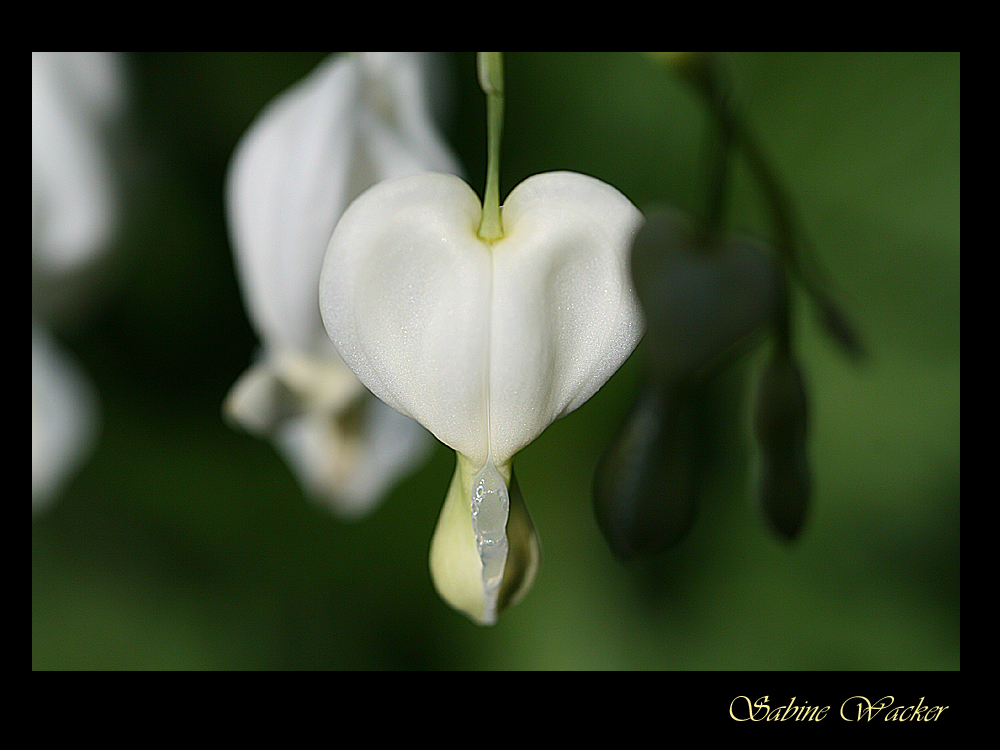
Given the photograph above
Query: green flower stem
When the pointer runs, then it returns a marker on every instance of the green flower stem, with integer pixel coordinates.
(790, 240)
(737, 130)
(490, 66)
(718, 140)
(704, 72)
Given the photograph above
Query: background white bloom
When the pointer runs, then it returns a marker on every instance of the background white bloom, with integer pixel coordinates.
(63, 416)
(356, 120)
(74, 205)
(74, 211)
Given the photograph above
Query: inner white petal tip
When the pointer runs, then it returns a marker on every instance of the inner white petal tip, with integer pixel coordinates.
(490, 508)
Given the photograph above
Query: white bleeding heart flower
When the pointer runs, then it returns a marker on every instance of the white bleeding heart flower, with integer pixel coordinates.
(357, 119)
(74, 201)
(484, 343)
(77, 98)
(64, 417)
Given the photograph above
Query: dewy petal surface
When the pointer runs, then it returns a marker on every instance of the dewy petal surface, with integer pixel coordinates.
(484, 344)
(405, 296)
(564, 314)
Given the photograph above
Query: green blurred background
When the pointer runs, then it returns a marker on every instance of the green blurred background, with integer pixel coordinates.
(186, 544)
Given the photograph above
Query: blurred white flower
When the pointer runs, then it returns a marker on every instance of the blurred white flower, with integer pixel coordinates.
(63, 417)
(485, 343)
(74, 96)
(354, 121)
(74, 203)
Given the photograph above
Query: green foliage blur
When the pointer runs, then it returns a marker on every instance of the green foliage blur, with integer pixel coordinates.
(186, 544)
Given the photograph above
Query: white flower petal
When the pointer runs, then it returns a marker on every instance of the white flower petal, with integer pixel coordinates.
(405, 296)
(565, 316)
(485, 345)
(355, 120)
(312, 151)
(287, 185)
(352, 459)
(73, 202)
(63, 417)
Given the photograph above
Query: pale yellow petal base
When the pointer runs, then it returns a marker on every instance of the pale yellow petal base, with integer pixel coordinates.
(456, 567)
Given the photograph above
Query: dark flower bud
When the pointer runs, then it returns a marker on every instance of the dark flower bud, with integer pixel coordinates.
(644, 487)
(781, 425)
(701, 299)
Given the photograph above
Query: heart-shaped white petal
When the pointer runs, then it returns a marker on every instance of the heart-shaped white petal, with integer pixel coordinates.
(485, 344)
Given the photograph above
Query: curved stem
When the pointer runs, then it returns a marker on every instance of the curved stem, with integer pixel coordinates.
(718, 140)
(490, 66)
(708, 80)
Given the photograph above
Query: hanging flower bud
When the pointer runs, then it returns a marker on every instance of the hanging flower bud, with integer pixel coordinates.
(644, 488)
(781, 425)
(700, 300)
